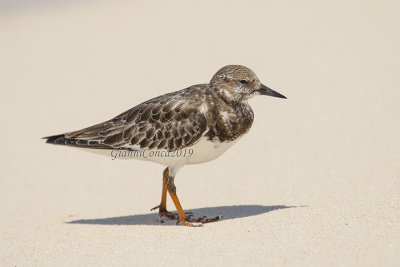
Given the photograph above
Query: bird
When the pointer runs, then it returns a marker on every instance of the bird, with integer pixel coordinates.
(202, 121)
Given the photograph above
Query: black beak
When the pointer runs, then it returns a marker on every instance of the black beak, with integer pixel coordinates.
(264, 90)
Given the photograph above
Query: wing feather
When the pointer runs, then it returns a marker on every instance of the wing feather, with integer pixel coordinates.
(167, 122)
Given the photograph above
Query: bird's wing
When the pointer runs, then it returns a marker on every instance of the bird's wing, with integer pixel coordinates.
(160, 123)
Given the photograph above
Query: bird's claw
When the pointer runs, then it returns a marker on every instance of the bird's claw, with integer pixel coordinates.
(188, 221)
(170, 215)
(198, 221)
(156, 207)
(167, 214)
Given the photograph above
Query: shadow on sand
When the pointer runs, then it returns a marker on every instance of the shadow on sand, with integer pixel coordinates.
(227, 213)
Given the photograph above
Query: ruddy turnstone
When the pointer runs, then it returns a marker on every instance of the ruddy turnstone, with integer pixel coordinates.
(205, 119)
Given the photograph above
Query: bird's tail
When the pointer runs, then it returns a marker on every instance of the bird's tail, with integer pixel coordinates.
(61, 139)
(56, 139)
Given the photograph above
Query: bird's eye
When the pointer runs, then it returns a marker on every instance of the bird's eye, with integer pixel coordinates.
(243, 81)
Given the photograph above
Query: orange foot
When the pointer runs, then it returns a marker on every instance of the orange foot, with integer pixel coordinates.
(198, 221)
(170, 215)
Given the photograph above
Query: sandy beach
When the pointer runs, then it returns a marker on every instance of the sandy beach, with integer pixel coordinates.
(316, 181)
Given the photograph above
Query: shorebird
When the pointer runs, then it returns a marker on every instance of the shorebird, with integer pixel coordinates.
(204, 120)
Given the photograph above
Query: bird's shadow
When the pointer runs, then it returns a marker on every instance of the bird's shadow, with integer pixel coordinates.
(227, 213)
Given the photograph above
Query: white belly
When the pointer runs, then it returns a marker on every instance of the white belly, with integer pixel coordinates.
(206, 150)
(202, 151)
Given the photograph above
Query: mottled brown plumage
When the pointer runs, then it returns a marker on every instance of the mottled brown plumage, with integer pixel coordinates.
(214, 113)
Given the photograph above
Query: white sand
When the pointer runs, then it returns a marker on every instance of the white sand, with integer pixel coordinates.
(315, 182)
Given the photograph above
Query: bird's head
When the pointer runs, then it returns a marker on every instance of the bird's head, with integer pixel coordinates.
(238, 83)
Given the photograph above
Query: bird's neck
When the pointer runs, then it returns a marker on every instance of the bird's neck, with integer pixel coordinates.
(226, 95)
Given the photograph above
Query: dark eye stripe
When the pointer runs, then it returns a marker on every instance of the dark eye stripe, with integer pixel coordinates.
(244, 81)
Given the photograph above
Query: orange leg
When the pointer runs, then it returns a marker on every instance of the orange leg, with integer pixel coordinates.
(170, 186)
(162, 208)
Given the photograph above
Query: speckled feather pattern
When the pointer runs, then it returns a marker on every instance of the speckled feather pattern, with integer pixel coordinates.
(171, 121)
